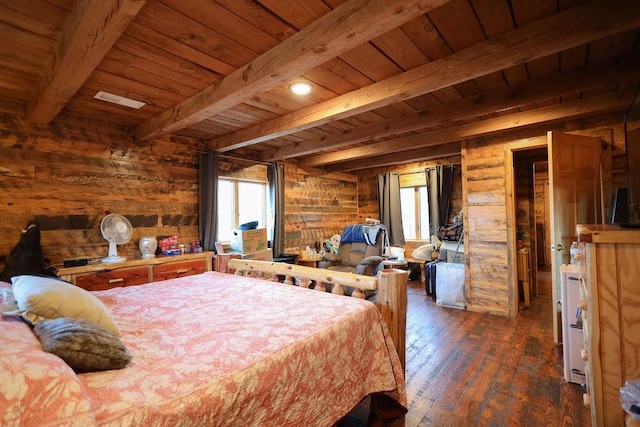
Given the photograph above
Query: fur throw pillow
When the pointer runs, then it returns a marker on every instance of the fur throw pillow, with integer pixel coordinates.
(84, 345)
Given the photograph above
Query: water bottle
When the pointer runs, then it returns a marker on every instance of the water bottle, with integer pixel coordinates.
(574, 252)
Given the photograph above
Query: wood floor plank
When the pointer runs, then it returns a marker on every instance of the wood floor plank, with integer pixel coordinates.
(471, 369)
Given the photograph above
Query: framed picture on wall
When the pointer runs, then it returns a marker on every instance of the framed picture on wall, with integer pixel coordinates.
(219, 248)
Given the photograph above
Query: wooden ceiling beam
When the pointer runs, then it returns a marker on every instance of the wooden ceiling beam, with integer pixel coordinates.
(570, 110)
(418, 155)
(509, 97)
(88, 34)
(342, 29)
(421, 154)
(576, 26)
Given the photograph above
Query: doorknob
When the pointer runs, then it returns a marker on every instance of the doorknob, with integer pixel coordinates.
(557, 247)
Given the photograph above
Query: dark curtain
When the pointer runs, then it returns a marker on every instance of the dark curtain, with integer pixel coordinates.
(389, 206)
(275, 173)
(208, 200)
(439, 183)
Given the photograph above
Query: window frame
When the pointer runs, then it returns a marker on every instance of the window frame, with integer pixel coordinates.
(264, 221)
(417, 214)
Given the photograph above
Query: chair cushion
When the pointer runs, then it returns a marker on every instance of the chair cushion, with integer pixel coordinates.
(371, 260)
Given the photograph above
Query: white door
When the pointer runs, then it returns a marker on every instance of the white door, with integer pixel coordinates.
(575, 198)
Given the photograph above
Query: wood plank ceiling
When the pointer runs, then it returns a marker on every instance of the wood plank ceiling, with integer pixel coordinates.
(393, 80)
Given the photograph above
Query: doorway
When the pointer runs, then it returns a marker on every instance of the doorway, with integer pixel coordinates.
(532, 222)
(543, 228)
(574, 165)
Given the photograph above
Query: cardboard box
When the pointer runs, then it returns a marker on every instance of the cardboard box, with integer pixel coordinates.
(249, 241)
(266, 255)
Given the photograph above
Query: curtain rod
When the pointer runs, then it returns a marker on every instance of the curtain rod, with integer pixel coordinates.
(422, 171)
(244, 160)
(226, 156)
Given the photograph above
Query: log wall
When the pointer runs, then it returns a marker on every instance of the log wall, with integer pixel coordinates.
(489, 266)
(410, 174)
(488, 287)
(69, 174)
(317, 205)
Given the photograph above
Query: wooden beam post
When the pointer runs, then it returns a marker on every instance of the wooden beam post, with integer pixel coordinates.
(392, 304)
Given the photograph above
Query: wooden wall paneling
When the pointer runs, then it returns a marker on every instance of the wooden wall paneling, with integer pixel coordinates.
(629, 317)
(410, 174)
(611, 317)
(487, 283)
(317, 205)
(485, 206)
(69, 174)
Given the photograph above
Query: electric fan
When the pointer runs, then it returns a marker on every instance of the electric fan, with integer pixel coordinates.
(118, 231)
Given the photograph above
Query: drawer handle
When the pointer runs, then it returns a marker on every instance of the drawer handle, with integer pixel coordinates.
(184, 270)
(112, 281)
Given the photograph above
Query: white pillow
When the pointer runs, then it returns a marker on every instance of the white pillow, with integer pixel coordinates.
(423, 252)
(41, 298)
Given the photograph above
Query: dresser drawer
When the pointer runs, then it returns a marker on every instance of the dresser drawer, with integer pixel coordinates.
(171, 270)
(111, 279)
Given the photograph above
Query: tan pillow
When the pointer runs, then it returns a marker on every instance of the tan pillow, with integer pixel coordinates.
(41, 298)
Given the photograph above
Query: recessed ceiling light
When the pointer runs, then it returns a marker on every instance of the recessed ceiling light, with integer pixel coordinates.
(300, 88)
(120, 100)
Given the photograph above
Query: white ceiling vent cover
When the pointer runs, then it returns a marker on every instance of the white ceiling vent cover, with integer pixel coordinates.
(120, 100)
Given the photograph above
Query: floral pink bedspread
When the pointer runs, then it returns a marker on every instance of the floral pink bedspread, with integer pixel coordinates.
(216, 349)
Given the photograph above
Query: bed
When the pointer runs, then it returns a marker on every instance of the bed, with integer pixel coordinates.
(219, 349)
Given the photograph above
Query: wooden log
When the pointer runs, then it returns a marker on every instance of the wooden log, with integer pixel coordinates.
(364, 283)
(392, 304)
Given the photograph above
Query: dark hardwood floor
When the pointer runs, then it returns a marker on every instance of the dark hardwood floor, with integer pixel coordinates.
(471, 369)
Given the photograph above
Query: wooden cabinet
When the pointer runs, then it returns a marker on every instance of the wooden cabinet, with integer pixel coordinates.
(611, 317)
(100, 276)
(111, 279)
(171, 270)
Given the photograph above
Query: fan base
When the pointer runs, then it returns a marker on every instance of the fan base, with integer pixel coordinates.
(113, 259)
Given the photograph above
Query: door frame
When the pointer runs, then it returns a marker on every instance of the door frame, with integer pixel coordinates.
(510, 192)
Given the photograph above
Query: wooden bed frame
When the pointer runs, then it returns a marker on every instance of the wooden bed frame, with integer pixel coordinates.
(390, 284)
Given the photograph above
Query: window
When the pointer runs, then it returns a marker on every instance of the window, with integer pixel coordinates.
(240, 202)
(415, 212)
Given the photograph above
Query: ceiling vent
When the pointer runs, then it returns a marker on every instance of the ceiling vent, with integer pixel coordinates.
(120, 100)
